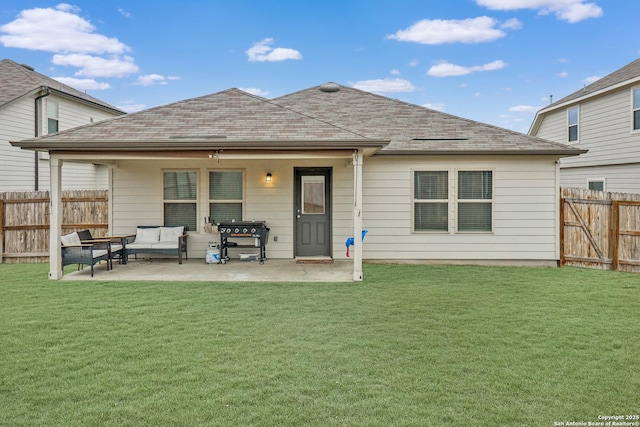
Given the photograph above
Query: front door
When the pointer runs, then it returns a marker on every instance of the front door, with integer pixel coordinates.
(312, 212)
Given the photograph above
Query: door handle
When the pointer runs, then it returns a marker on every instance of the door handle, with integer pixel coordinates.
(298, 216)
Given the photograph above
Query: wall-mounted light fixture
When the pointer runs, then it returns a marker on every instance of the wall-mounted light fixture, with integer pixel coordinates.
(268, 177)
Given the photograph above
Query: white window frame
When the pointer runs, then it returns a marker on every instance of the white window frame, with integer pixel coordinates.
(602, 180)
(634, 109)
(446, 201)
(458, 200)
(244, 192)
(576, 124)
(182, 201)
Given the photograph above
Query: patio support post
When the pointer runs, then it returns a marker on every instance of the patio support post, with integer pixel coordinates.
(357, 215)
(55, 219)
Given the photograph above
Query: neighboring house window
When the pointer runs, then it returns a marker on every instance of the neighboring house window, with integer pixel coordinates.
(572, 121)
(596, 184)
(431, 201)
(52, 117)
(180, 198)
(225, 195)
(636, 109)
(475, 200)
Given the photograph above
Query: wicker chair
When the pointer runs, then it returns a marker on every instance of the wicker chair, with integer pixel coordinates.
(117, 244)
(76, 252)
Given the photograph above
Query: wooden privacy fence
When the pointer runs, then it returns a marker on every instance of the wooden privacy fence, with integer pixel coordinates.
(600, 229)
(24, 221)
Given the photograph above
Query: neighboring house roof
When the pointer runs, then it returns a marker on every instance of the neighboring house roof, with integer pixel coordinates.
(17, 80)
(329, 116)
(625, 74)
(629, 74)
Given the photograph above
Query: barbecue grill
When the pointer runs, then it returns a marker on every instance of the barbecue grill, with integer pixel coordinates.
(257, 230)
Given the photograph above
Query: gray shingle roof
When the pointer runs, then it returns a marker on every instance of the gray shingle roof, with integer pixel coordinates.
(411, 128)
(313, 118)
(228, 117)
(17, 80)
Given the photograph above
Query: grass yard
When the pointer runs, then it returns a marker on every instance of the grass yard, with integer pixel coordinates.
(410, 346)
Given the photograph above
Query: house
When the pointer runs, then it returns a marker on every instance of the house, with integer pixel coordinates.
(319, 166)
(603, 118)
(31, 105)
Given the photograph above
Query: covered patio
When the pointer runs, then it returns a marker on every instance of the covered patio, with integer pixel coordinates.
(273, 270)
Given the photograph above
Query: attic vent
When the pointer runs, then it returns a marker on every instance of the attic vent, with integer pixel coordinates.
(28, 67)
(330, 87)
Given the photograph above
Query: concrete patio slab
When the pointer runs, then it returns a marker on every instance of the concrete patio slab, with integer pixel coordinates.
(273, 270)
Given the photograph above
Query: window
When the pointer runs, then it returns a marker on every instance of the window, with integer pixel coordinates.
(431, 201)
(225, 196)
(596, 184)
(572, 121)
(475, 200)
(636, 109)
(52, 117)
(313, 194)
(180, 198)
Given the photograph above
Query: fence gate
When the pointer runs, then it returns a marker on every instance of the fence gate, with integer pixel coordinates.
(600, 230)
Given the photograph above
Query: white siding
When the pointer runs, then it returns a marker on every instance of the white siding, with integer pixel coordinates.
(605, 130)
(618, 178)
(525, 208)
(17, 121)
(137, 199)
(524, 211)
(17, 167)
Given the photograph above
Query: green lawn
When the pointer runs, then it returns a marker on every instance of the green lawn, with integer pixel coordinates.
(409, 346)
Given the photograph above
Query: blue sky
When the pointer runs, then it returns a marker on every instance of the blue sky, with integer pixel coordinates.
(494, 61)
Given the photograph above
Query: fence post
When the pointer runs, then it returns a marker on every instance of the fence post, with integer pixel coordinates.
(1, 230)
(615, 234)
(562, 257)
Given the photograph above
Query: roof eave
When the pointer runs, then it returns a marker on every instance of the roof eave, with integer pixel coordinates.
(196, 145)
(441, 152)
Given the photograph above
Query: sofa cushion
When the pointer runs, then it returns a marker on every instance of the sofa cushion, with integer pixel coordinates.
(165, 245)
(97, 253)
(171, 234)
(71, 239)
(148, 235)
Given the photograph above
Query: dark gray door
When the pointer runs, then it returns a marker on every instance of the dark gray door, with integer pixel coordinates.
(312, 211)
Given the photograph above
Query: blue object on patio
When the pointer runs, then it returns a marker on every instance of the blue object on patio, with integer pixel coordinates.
(350, 241)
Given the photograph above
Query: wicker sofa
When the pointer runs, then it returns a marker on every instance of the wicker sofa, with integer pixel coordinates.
(155, 239)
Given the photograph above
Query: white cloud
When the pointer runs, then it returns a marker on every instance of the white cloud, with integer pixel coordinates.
(446, 69)
(130, 107)
(384, 85)
(571, 11)
(255, 91)
(395, 72)
(591, 79)
(525, 109)
(83, 84)
(263, 52)
(94, 66)
(152, 79)
(413, 63)
(563, 74)
(439, 106)
(439, 31)
(124, 13)
(511, 24)
(57, 30)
